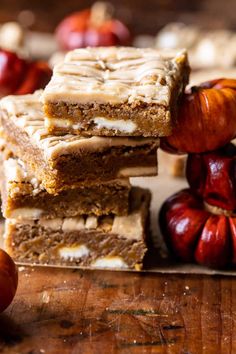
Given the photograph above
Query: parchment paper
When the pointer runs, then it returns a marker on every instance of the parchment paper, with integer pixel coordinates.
(159, 261)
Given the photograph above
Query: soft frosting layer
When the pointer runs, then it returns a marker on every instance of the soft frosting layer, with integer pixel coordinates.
(26, 113)
(130, 227)
(116, 75)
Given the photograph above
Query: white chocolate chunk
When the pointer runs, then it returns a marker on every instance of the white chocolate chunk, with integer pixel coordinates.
(71, 224)
(109, 262)
(70, 253)
(91, 222)
(26, 213)
(59, 123)
(124, 226)
(53, 224)
(126, 126)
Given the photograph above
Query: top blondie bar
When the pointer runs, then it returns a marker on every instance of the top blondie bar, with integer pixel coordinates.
(116, 91)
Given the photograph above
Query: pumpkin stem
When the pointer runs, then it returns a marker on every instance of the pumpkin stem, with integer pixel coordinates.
(195, 89)
(100, 12)
(206, 85)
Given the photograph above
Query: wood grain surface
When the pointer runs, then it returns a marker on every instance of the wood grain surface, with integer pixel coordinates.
(65, 311)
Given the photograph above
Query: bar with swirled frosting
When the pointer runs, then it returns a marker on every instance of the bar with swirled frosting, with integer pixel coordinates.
(115, 242)
(67, 161)
(116, 91)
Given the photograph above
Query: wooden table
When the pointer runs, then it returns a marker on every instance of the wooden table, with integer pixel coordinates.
(103, 312)
(74, 311)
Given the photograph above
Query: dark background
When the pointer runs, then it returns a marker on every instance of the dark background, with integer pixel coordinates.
(143, 16)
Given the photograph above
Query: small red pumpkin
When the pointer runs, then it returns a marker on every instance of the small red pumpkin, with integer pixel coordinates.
(19, 76)
(8, 280)
(193, 233)
(12, 70)
(37, 76)
(92, 27)
(206, 118)
(213, 176)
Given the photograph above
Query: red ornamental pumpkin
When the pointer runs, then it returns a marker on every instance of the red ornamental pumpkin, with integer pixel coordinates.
(19, 76)
(92, 27)
(12, 70)
(193, 233)
(213, 176)
(37, 76)
(206, 118)
(8, 280)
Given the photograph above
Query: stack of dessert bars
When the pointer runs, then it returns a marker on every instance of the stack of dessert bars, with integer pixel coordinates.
(67, 154)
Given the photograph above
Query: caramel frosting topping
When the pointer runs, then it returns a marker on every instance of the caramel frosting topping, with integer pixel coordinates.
(116, 75)
(26, 113)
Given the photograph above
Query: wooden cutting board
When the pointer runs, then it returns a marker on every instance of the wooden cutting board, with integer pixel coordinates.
(76, 311)
(102, 312)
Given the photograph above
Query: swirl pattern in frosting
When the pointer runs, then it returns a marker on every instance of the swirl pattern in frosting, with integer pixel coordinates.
(117, 75)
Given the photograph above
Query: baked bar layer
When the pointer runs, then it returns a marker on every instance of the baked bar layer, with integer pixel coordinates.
(99, 242)
(24, 197)
(116, 91)
(66, 161)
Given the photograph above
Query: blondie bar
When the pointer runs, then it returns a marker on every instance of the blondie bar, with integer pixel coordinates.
(116, 91)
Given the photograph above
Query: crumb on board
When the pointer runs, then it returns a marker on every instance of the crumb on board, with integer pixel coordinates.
(45, 297)
(21, 269)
